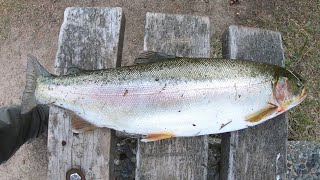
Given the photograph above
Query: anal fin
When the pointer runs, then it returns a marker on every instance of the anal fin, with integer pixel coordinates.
(80, 125)
(157, 136)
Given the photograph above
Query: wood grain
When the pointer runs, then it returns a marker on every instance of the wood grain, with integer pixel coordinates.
(176, 158)
(90, 38)
(258, 152)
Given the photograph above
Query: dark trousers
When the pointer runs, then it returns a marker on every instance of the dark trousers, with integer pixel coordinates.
(16, 128)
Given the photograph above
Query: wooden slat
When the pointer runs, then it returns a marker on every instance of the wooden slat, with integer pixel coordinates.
(257, 152)
(177, 158)
(90, 38)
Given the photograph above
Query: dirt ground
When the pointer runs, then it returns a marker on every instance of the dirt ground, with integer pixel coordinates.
(33, 27)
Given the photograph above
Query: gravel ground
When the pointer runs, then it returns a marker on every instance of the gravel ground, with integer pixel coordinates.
(303, 160)
(125, 160)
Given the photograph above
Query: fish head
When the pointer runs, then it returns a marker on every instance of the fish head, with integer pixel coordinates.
(289, 89)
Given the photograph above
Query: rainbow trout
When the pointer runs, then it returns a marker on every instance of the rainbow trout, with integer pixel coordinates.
(169, 96)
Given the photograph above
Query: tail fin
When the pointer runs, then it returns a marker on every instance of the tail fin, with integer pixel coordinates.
(34, 70)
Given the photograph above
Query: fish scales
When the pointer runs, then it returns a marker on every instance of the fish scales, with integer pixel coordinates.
(192, 69)
(181, 96)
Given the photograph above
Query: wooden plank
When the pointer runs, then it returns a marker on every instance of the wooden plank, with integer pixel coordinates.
(177, 158)
(257, 152)
(90, 38)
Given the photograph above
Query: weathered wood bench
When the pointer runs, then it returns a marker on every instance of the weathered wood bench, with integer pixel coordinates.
(91, 38)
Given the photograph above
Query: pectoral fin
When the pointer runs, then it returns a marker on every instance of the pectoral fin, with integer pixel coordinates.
(261, 114)
(79, 125)
(158, 136)
(151, 57)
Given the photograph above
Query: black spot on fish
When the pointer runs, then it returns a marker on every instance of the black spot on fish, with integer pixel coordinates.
(125, 92)
(193, 125)
(223, 125)
(165, 85)
(63, 143)
(181, 95)
(239, 95)
(179, 111)
(157, 79)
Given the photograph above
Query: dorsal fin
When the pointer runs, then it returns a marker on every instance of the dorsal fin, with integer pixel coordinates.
(151, 57)
(74, 70)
